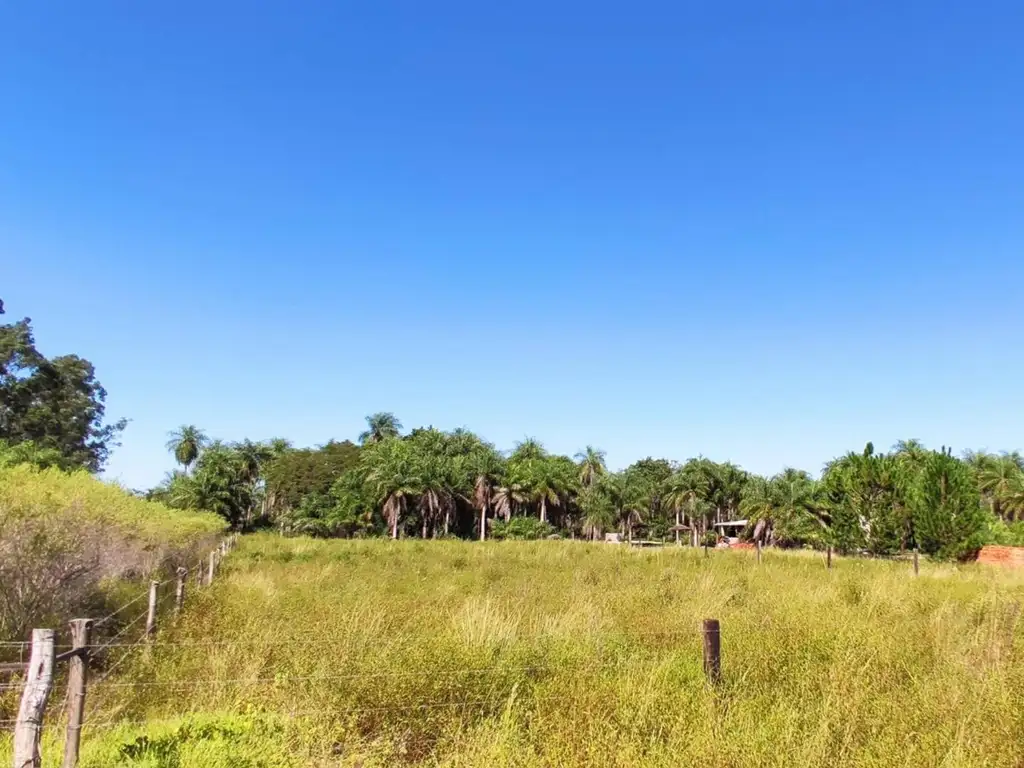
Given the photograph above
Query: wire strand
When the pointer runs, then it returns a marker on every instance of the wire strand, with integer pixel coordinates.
(281, 679)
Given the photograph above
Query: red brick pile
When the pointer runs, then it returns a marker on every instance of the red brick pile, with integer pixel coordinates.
(1012, 557)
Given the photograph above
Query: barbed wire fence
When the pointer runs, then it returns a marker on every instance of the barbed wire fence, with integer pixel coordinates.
(102, 645)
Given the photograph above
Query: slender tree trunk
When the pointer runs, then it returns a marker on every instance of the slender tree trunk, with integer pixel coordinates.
(424, 527)
(447, 520)
(483, 522)
(678, 523)
(543, 509)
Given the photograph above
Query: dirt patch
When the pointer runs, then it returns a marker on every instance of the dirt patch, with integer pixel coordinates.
(1012, 557)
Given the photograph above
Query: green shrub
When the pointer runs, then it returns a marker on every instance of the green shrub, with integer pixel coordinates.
(521, 528)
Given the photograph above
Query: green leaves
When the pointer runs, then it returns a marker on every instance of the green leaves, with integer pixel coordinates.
(57, 404)
(380, 426)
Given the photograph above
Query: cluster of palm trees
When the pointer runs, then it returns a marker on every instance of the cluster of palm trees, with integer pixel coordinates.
(226, 478)
(432, 483)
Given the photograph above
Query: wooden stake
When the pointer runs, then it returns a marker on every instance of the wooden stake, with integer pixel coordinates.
(828, 558)
(713, 651)
(78, 674)
(917, 568)
(759, 553)
(212, 567)
(154, 589)
(179, 591)
(29, 726)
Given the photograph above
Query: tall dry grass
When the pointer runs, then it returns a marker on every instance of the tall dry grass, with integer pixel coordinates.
(571, 654)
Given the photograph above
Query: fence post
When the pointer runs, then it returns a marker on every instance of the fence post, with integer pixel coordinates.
(179, 591)
(29, 725)
(211, 567)
(78, 674)
(712, 650)
(154, 587)
(828, 558)
(758, 552)
(916, 566)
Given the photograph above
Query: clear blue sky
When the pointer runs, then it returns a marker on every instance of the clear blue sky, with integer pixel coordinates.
(761, 231)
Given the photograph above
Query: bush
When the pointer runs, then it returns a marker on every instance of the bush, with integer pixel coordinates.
(68, 539)
(521, 528)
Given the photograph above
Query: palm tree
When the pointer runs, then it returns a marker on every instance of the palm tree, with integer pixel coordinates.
(627, 499)
(252, 457)
(528, 450)
(684, 489)
(381, 426)
(997, 480)
(393, 478)
(598, 513)
(509, 496)
(186, 443)
(544, 487)
(592, 465)
(910, 454)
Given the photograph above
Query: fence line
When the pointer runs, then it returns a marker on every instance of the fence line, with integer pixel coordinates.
(710, 633)
(28, 724)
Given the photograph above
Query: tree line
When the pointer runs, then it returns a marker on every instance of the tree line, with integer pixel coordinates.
(430, 483)
(434, 483)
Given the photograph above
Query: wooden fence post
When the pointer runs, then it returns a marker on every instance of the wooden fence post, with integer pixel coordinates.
(712, 650)
(154, 588)
(78, 674)
(917, 568)
(211, 567)
(828, 558)
(29, 725)
(758, 552)
(179, 591)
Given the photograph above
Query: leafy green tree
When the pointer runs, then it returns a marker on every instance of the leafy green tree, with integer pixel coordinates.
(864, 495)
(291, 475)
(29, 453)
(186, 443)
(380, 426)
(57, 404)
(946, 508)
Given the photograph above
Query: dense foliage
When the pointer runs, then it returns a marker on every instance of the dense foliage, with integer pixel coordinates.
(67, 540)
(55, 403)
(430, 483)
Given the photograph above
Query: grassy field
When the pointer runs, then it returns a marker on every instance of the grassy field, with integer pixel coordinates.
(569, 654)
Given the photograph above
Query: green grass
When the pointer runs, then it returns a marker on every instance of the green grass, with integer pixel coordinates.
(568, 654)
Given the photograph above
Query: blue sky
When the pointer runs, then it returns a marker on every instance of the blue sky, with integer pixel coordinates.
(765, 232)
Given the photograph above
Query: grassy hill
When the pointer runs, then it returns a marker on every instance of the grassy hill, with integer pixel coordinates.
(453, 654)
